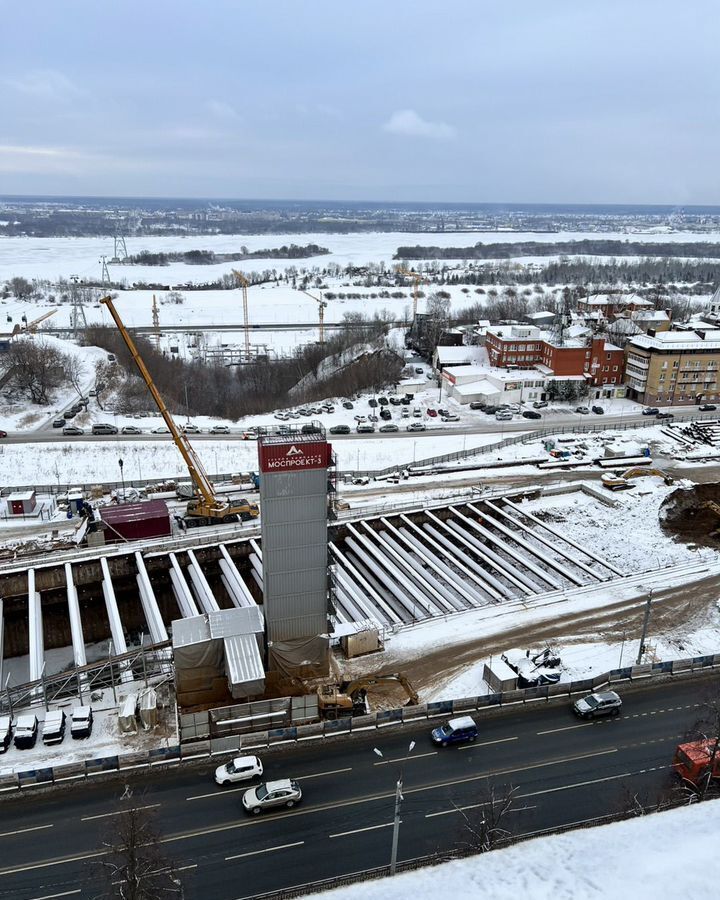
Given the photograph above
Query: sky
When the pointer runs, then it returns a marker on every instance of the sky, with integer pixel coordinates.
(407, 100)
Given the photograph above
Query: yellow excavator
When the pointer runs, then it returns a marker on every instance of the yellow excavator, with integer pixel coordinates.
(349, 697)
(622, 481)
(206, 508)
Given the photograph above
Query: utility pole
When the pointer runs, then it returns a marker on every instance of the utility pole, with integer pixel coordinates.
(398, 802)
(644, 628)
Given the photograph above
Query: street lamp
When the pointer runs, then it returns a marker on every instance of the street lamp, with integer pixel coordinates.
(398, 801)
(122, 478)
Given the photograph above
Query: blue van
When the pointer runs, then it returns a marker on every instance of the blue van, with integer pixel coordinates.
(455, 731)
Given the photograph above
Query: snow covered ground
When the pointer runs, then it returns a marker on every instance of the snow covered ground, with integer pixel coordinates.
(639, 858)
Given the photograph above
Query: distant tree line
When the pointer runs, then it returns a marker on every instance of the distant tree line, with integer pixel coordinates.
(587, 247)
(209, 257)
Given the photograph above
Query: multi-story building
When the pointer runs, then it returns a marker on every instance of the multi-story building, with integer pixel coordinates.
(608, 306)
(673, 368)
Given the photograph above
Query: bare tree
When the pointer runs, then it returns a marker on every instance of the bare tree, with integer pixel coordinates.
(39, 368)
(75, 372)
(483, 826)
(21, 288)
(133, 863)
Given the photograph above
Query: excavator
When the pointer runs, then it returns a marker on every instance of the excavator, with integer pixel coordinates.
(206, 507)
(622, 481)
(349, 697)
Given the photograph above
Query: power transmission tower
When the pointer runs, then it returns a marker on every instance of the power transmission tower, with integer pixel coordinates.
(78, 322)
(156, 323)
(120, 249)
(105, 277)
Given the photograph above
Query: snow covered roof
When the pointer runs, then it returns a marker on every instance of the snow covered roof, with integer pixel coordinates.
(476, 387)
(611, 347)
(651, 315)
(674, 340)
(457, 355)
(615, 299)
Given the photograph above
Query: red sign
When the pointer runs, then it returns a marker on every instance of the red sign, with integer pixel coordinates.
(294, 456)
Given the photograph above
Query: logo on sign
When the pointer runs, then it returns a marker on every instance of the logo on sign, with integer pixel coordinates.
(293, 451)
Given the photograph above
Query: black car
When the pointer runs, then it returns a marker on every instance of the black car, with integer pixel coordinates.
(311, 429)
(664, 416)
(383, 401)
(708, 407)
(491, 410)
(347, 405)
(372, 402)
(406, 401)
(6, 732)
(340, 429)
(385, 414)
(396, 401)
(650, 411)
(477, 404)
(598, 410)
(529, 414)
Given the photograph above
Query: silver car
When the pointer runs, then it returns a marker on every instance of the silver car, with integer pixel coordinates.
(271, 794)
(604, 703)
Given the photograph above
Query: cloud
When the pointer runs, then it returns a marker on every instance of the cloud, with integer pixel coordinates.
(222, 110)
(407, 122)
(46, 84)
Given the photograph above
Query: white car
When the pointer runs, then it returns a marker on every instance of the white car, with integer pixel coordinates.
(242, 768)
(451, 418)
(273, 793)
(161, 429)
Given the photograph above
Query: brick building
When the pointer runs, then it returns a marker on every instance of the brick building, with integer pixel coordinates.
(673, 368)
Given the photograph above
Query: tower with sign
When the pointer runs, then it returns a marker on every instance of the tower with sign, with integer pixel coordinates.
(294, 520)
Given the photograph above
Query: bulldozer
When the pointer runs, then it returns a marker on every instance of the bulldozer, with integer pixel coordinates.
(349, 698)
(622, 481)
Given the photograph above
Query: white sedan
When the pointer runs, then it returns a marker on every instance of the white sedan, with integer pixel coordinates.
(242, 768)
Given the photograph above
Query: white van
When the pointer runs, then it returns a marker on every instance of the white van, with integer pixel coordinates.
(54, 727)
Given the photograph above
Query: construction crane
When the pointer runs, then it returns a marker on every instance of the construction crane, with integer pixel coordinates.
(156, 322)
(32, 327)
(244, 283)
(206, 508)
(417, 279)
(321, 315)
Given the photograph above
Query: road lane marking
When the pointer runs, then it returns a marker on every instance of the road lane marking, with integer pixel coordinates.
(402, 759)
(51, 896)
(248, 785)
(568, 728)
(266, 850)
(117, 812)
(474, 746)
(569, 787)
(359, 830)
(24, 830)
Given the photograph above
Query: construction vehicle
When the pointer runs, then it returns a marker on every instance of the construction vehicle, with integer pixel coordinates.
(622, 481)
(206, 507)
(698, 762)
(350, 697)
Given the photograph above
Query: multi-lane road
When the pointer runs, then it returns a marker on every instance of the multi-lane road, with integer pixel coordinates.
(564, 771)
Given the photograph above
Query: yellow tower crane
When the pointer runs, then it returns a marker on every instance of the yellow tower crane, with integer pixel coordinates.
(244, 283)
(32, 327)
(417, 279)
(321, 315)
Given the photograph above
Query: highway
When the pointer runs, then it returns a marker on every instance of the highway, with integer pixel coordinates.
(565, 772)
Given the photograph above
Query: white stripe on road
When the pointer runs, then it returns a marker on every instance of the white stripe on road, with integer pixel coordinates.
(51, 896)
(359, 830)
(323, 774)
(266, 850)
(24, 830)
(487, 743)
(118, 812)
(402, 759)
(568, 728)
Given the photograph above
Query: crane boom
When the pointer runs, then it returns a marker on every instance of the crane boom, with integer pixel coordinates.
(321, 314)
(244, 284)
(417, 279)
(215, 506)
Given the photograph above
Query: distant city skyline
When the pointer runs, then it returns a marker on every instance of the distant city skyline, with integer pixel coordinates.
(613, 103)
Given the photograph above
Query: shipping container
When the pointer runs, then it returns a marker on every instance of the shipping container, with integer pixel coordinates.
(136, 521)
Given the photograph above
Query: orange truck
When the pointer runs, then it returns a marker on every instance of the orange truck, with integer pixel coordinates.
(694, 761)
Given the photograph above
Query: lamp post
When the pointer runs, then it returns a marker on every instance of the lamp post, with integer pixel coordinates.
(122, 478)
(398, 801)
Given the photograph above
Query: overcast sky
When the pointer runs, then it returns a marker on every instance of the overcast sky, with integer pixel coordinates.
(460, 100)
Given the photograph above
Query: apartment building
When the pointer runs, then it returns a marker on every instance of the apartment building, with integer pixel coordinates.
(673, 368)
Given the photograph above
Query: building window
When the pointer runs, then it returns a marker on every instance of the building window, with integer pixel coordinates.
(615, 368)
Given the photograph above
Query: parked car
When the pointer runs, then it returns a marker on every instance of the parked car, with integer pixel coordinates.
(3, 433)
(191, 429)
(385, 414)
(6, 732)
(490, 409)
(69, 414)
(583, 410)
(708, 407)
(220, 429)
(406, 400)
(416, 426)
(58, 423)
(477, 404)
(328, 407)
(419, 370)
(104, 428)
(650, 411)
(598, 410)
(404, 413)
(432, 413)
(383, 401)
(417, 412)
(455, 731)
(451, 417)
(161, 429)
(540, 404)
(372, 418)
(54, 727)
(372, 402)
(531, 414)
(72, 430)
(503, 415)
(340, 429)
(131, 429)
(365, 428)
(242, 768)
(309, 428)
(604, 703)
(391, 427)
(347, 404)
(360, 418)
(26, 730)
(81, 722)
(395, 401)
(271, 794)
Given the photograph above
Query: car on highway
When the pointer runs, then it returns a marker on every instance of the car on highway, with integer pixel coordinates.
(130, 429)
(220, 429)
(365, 428)
(58, 423)
(540, 404)
(104, 428)
(161, 429)
(666, 416)
(583, 410)
(650, 411)
(416, 426)
(531, 414)
(707, 407)
(603, 703)
(72, 430)
(6, 732)
(81, 722)
(242, 768)
(389, 427)
(455, 731)
(340, 429)
(191, 429)
(26, 731)
(271, 794)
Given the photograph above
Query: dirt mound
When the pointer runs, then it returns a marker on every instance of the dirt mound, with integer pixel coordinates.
(687, 515)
